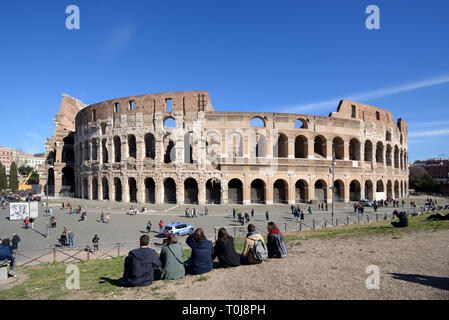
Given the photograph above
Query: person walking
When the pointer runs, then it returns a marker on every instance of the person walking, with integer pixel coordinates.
(247, 216)
(15, 242)
(267, 215)
(233, 213)
(27, 222)
(102, 216)
(71, 236)
(108, 218)
(206, 211)
(149, 226)
(161, 227)
(309, 210)
(95, 241)
(32, 223)
(64, 237)
(252, 213)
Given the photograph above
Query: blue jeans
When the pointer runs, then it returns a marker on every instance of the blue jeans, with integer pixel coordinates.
(70, 242)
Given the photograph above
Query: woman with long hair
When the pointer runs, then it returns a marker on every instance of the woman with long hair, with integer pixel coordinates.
(275, 242)
(171, 259)
(202, 250)
(225, 251)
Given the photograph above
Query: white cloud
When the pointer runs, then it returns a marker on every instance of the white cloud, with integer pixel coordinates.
(429, 133)
(369, 94)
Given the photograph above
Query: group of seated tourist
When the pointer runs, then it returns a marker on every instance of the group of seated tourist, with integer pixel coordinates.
(143, 265)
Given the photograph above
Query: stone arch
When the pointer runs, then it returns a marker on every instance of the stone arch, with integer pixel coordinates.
(339, 191)
(170, 151)
(319, 146)
(132, 148)
(338, 148)
(68, 179)
(320, 190)
(280, 148)
(132, 185)
(354, 191)
(213, 191)
(380, 190)
(169, 122)
(105, 188)
(396, 156)
(94, 188)
(368, 150)
(236, 144)
(379, 152)
(354, 149)
(85, 188)
(280, 191)
(118, 189)
(257, 121)
(94, 149)
(301, 123)
(388, 155)
(235, 191)
(402, 189)
(191, 191)
(51, 182)
(169, 190)
(369, 190)
(396, 189)
(301, 147)
(301, 191)
(260, 145)
(150, 146)
(389, 190)
(117, 149)
(150, 190)
(258, 188)
(104, 151)
(188, 147)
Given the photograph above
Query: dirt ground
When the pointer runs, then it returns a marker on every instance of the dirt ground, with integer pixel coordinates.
(412, 266)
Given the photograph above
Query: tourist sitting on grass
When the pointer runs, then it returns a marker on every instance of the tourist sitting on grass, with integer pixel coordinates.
(249, 256)
(275, 242)
(171, 259)
(202, 250)
(225, 251)
(437, 216)
(140, 264)
(403, 219)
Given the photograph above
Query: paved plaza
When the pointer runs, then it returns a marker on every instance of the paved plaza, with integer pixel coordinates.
(127, 229)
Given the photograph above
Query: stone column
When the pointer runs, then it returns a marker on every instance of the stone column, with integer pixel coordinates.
(269, 190)
(224, 192)
(89, 186)
(291, 188)
(125, 189)
(328, 149)
(201, 193)
(140, 183)
(246, 189)
(100, 187)
(180, 192)
(346, 151)
(291, 149)
(310, 149)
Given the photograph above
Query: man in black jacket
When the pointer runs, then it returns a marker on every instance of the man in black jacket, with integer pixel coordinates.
(140, 263)
(15, 242)
(403, 219)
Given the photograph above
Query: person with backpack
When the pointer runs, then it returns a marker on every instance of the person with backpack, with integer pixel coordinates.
(149, 226)
(255, 250)
(140, 263)
(171, 260)
(275, 242)
(95, 241)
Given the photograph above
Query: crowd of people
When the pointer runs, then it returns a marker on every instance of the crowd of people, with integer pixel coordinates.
(142, 266)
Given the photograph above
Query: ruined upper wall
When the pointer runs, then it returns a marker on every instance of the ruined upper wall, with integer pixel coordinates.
(183, 102)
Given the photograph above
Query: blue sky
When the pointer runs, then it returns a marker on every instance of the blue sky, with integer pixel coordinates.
(274, 56)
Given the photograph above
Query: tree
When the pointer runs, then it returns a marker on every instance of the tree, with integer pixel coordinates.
(3, 180)
(13, 177)
(34, 178)
(25, 170)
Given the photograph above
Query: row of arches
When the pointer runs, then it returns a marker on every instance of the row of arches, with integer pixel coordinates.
(320, 190)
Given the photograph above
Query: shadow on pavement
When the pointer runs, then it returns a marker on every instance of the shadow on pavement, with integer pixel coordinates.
(430, 281)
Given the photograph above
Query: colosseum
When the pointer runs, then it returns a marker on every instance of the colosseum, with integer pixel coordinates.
(174, 148)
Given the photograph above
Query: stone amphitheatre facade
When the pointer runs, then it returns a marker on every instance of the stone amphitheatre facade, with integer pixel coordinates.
(174, 148)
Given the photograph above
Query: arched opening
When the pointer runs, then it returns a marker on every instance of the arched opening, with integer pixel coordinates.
(280, 148)
(260, 146)
(280, 191)
(257, 122)
(354, 149)
(401, 159)
(94, 150)
(369, 190)
(132, 189)
(68, 179)
(68, 155)
(338, 146)
(170, 152)
(235, 191)
(105, 190)
(117, 149)
(85, 188)
(51, 183)
(150, 146)
(94, 188)
(188, 149)
(190, 191)
(213, 191)
(368, 151)
(118, 189)
(170, 123)
(301, 147)
(389, 190)
(396, 189)
(339, 191)
(320, 190)
(379, 152)
(301, 191)
(104, 151)
(319, 147)
(236, 145)
(402, 189)
(132, 150)
(169, 191)
(257, 191)
(396, 157)
(300, 124)
(388, 136)
(86, 151)
(354, 190)
(388, 155)
(150, 191)
(380, 190)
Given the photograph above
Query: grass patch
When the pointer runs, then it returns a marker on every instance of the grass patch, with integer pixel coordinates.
(201, 278)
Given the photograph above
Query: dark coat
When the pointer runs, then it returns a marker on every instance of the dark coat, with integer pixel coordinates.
(227, 256)
(139, 267)
(15, 242)
(6, 253)
(201, 258)
(276, 245)
(403, 219)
